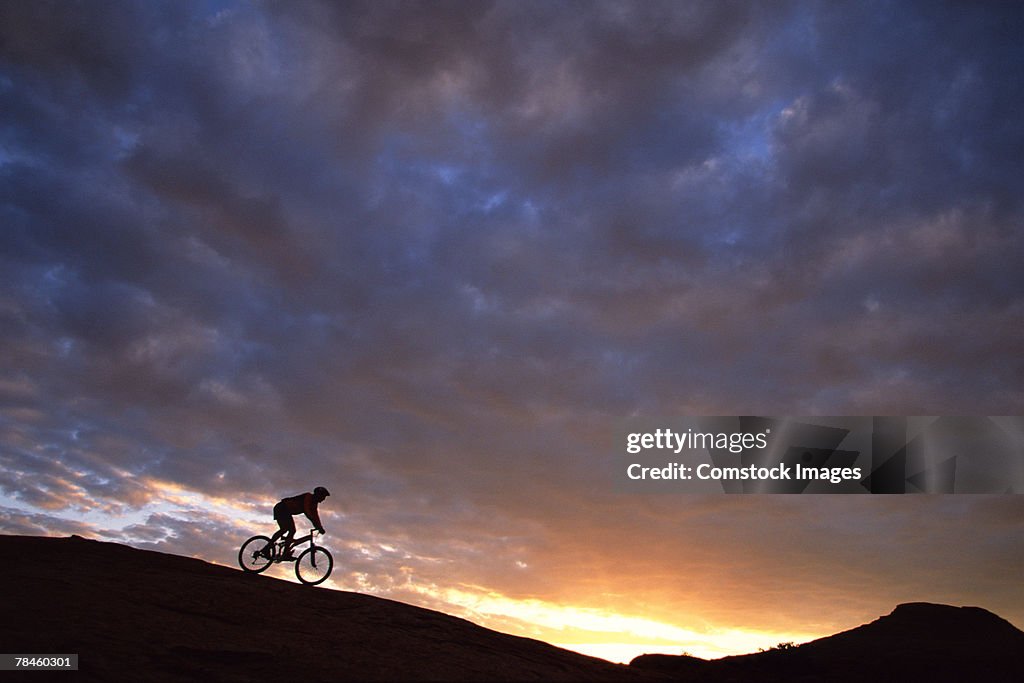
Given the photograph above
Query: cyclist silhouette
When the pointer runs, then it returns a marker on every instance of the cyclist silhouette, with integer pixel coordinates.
(304, 503)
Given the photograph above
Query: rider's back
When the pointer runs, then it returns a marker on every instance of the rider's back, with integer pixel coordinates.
(296, 505)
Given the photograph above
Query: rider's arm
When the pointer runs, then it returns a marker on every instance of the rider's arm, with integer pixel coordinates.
(311, 512)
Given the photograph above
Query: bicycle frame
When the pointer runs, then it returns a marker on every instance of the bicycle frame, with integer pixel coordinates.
(280, 548)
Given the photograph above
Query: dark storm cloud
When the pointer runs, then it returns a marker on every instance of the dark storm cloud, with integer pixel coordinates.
(428, 251)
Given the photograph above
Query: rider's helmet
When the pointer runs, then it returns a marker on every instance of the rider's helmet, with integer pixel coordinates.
(320, 492)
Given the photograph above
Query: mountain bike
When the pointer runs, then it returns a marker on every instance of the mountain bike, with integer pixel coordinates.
(312, 566)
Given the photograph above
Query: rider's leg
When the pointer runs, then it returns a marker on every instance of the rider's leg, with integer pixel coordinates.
(273, 540)
(288, 536)
(286, 532)
(285, 526)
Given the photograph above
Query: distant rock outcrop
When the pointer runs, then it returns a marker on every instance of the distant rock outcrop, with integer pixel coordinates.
(916, 642)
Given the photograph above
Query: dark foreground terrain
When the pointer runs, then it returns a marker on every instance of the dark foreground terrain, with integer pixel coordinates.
(136, 615)
(145, 616)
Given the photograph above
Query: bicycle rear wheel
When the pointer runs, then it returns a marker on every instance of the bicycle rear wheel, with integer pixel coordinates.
(314, 566)
(255, 555)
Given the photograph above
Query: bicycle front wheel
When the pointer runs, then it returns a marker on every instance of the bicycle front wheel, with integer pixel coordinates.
(255, 555)
(314, 566)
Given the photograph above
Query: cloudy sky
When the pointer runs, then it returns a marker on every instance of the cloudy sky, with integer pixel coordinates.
(427, 254)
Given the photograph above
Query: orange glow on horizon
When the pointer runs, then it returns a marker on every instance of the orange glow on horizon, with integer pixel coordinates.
(610, 632)
(601, 633)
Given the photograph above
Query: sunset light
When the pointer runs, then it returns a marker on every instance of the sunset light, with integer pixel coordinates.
(625, 326)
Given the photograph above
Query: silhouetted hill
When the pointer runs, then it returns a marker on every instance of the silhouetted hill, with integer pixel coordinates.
(146, 616)
(136, 615)
(916, 642)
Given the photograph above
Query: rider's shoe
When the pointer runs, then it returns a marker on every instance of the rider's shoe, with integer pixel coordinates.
(287, 556)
